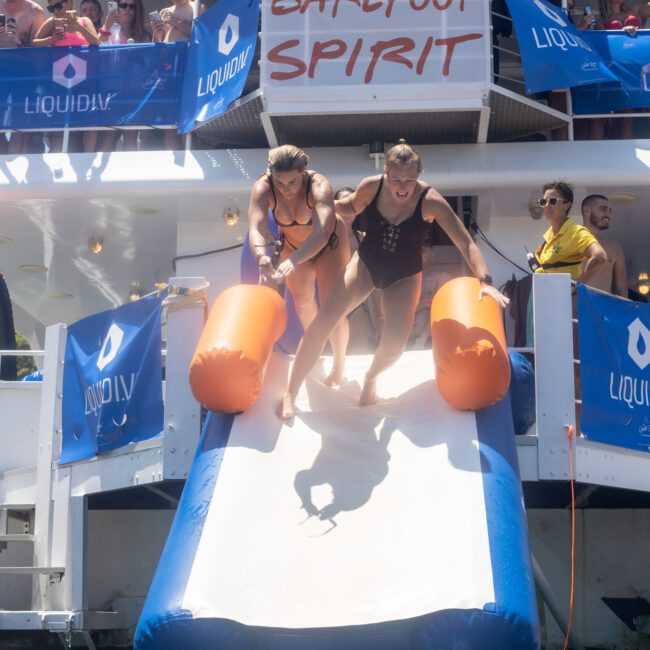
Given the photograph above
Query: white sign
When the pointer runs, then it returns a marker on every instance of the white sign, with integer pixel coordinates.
(319, 43)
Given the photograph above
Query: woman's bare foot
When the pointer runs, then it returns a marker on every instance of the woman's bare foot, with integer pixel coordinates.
(368, 392)
(286, 408)
(336, 375)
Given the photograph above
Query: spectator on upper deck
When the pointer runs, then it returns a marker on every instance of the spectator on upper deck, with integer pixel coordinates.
(130, 17)
(615, 14)
(22, 20)
(175, 23)
(65, 28)
(92, 9)
(612, 276)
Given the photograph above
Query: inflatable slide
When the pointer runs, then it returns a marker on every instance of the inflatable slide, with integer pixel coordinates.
(399, 525)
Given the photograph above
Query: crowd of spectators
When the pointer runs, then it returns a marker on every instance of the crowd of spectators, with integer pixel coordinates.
(609, 15)
(26, 24)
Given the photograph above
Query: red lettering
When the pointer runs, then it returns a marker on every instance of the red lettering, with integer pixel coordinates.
(450, 44)
(305, 6)
(425, 53)
(320, 51)
(349, 68)
(277, 8)
(382, 50)
(417, 7)
(442, 6)
(368, 6)
(389, 8)
(275, 56)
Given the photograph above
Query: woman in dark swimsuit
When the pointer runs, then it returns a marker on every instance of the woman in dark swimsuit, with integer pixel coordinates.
(395, 209)
(315, 248)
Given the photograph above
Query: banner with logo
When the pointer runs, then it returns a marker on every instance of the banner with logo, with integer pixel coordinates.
(221, 53)
(554, 53)
(614, 338)
(112, 380)
(629, 59)
(55, 87)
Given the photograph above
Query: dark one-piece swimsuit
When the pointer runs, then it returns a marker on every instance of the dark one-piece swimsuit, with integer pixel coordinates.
(333, 240)
(392, 252)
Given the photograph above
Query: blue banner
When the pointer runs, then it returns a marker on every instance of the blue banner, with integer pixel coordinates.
(112, 380)
(55, 87)
(555, 54)
(614, 338)
(221, 53)
(629, 58)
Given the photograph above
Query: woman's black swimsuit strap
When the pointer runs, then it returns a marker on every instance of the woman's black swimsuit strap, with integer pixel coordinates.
(310, 176)
(392, 252)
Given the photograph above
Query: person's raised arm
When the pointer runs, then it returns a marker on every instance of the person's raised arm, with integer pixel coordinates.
(323, 225)
(595, 258)
(85, 27)
(258, 227)
(435, 207)
(45, 35)
(36, 22)
(353, 204)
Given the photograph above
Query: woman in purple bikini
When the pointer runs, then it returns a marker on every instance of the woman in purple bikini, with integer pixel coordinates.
(395, 210)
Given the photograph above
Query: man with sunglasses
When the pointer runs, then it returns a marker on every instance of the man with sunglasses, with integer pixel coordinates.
(612, 277)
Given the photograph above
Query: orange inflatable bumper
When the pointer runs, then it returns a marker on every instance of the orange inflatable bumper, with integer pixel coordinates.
(469, 346)
(227, 369)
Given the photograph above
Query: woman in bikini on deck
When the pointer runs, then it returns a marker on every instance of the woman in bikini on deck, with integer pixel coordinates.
(313, 240)
(396, 208)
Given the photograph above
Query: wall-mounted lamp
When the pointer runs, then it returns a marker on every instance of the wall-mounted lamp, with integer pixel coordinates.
(135, 292)
(231, 216)
(644, 289)
(95, 244)
(376, 152)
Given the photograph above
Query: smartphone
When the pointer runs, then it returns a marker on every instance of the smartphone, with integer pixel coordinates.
(71, 13)
(2, 20)
(154, 16)
(112, 5)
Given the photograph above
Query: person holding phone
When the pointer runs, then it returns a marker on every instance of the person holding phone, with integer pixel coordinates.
(65, 28)
(173, 24)
(130, 16)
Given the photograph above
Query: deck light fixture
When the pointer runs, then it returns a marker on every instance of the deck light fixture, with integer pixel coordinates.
(231, 216)
(95, 244)
(135, 293)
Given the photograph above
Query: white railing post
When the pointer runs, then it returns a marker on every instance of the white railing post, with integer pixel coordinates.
(49, 445)
(554, 377)
(182, 412)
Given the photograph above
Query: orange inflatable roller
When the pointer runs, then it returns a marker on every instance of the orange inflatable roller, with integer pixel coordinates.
(228, 366)
(469, 346)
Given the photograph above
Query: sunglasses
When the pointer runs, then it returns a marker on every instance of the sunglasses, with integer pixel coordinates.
(126, 5)
(56, 6)
(552, 201)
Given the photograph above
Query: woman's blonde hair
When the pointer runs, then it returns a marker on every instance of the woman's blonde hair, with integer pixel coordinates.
(287, 158)
(402, 155)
